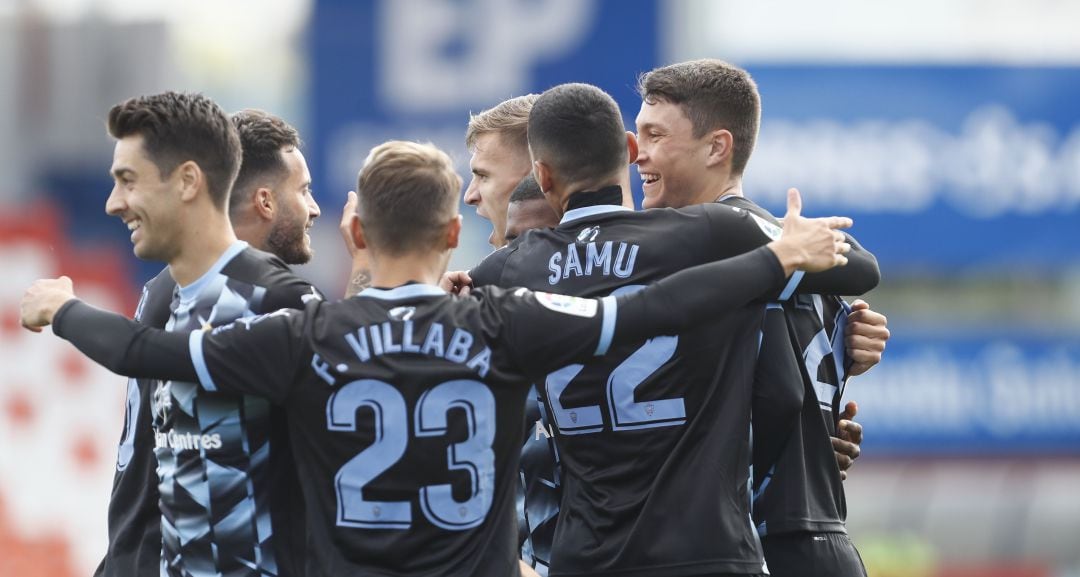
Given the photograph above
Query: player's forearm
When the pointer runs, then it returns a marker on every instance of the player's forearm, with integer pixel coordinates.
(860, 275)
(697, 295)
(122, 345)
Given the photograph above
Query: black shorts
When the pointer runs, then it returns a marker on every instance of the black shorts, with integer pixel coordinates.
(812, 555)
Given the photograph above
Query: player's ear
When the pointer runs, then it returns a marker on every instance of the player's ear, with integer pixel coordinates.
(542, 174)
(356, 229)
(263, 200)
(631, 146)
(190, 178)
(453, 231)
(721, 145)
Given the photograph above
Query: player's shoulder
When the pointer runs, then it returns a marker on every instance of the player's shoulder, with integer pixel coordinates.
(489, 270)
(742, 203)
(154, 306)
(284, 288)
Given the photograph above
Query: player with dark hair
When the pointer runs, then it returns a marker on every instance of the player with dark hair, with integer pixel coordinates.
(696, 131)
(208, 508)
(528, 209)
(271, 204)
(639, 431)
(377, 384)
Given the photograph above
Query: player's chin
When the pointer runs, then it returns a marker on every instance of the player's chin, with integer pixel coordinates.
(654, 200)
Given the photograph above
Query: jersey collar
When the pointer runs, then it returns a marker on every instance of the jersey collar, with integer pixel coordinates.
(192, 290)
(408, 291)
(587, 211)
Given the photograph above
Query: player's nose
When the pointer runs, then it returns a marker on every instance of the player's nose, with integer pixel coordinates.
(115, 204)
(472, 195)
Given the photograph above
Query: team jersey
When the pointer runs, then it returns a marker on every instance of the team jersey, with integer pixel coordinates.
(650, 484)
(798, 387)
(134, 521)
(406, 405)
(539, 491)
(226, 475)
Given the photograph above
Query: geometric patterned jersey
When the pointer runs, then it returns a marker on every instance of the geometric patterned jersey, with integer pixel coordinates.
(225, 471)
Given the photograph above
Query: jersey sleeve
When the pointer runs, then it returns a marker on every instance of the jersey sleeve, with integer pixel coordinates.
(546, 331)
(122, 345)
(256, 355)
(736, 230)
(860, 275)
(540, 331)
(696, 295)
(288, 291)
(779, 390)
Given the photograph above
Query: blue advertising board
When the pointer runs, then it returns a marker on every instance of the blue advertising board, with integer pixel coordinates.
(982, 395)
(944, 168)
(415, 69)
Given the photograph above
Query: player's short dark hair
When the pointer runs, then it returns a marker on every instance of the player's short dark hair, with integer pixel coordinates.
(714, 95)
(262, 137)
(407, 194)
(178, 127)
(527, 189)
(578, 130)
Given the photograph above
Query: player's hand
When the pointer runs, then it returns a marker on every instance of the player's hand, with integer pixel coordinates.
(811, 244)
(42, 300)
(527, 571)
(847, 445)
(866, 337)
(456, 282)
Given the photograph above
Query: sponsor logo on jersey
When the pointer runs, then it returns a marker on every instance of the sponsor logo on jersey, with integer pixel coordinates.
(187, 441)
(576, 306)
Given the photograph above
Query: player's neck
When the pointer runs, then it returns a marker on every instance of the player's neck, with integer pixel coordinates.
(205, 239)
(731, 187)
(564, 193)
(394, 271)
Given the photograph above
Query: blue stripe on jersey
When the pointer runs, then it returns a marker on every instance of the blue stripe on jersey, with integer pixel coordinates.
(591, 211)
(607, 327)
(403, 292)
(793, 283)
(195, 342)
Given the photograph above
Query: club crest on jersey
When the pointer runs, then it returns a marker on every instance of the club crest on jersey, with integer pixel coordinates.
(162, 401)
(576, 306)
(770, 229)
(402, 313)
(588, 234)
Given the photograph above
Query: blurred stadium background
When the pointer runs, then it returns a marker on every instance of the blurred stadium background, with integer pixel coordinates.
(949, 129)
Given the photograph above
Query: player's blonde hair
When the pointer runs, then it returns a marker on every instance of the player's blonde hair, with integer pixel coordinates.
(408, 193)
(509, 119)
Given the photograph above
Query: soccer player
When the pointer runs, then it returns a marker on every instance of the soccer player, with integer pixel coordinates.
(631, 429)
(528, 209)
(271, 205)
(500, 159)
(266, 216)
(696, 131)
(377, 384)
(176, 159)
